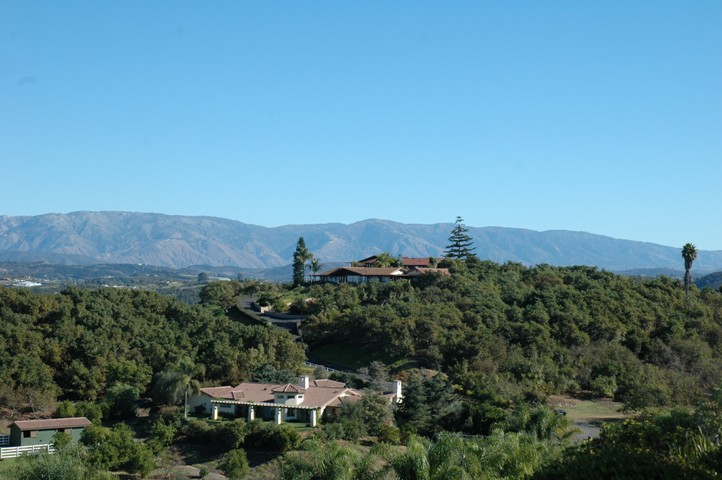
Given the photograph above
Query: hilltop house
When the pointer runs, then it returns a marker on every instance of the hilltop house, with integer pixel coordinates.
(305, 402)
(361, 274)
(367, 272)
(407, 262)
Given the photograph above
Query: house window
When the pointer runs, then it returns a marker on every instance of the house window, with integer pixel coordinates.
(30, 434)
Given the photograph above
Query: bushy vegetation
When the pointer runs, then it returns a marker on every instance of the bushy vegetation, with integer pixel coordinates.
(69, 463)
(235, 465)
(506, 334)
(487, 344)
(682, 443)
(113, 343)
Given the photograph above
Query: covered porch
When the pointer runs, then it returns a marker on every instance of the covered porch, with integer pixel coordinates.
(278, 412)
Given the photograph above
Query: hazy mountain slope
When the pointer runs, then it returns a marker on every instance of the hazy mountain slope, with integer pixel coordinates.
(179, 241)
(713, 280)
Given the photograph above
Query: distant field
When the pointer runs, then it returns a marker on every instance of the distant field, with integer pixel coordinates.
(588, 415)
(592, 411)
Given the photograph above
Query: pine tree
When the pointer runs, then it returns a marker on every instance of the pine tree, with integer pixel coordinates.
(300, 257)
(460, 245)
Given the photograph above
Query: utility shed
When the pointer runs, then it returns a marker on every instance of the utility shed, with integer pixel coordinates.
(41, 432)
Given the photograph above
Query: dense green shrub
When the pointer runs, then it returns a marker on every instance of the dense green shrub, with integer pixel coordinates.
(235, 465)
(269, 436)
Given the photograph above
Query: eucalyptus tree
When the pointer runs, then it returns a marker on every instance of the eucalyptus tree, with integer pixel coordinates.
(689, 253)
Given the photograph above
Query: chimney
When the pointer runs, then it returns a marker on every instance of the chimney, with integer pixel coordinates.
(304, 381)
(397, 390)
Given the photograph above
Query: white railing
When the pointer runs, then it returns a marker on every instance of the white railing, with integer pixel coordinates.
(4, 440)
(14, 452)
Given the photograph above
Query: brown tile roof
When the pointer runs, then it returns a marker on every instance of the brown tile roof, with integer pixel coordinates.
(52, 423)
(364, 271)
(253, 392)
(323, 397)
(327, 383)
(417, 262)
(218, 392)
(416, 271)
(289, 388)
(352, 397)
(257, 392)
(321, 394)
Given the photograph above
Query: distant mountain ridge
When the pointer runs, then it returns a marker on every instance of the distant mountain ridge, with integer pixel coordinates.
(180, 241)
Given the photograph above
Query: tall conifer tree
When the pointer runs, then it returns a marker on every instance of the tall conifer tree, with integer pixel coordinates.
(460, 245)
(300, 257)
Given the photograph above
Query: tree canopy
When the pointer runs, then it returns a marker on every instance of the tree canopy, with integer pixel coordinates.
(505, 333)
(81, 343)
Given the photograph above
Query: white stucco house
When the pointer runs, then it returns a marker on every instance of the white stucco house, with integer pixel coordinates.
(306, 401)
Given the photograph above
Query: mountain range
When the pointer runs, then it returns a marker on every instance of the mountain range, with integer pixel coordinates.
(86, 238)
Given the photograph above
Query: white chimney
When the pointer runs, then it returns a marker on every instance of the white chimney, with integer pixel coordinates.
(304, 381)
(397, 390)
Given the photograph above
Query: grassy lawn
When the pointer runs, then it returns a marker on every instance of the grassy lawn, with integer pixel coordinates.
(6, 466)
(592, 411)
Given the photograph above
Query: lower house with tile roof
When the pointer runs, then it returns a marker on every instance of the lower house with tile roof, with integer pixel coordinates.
(307, 402)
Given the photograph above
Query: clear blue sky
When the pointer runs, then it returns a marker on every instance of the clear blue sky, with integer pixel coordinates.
(599, 116)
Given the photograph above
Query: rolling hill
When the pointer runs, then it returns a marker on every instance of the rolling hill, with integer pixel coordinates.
(86, 238)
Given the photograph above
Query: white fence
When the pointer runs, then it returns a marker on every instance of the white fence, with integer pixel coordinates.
(4, 440)
(14, 452)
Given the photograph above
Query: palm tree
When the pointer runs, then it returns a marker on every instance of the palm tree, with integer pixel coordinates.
(689, 253)
(385, 259)
(172, 385)
(315, 265)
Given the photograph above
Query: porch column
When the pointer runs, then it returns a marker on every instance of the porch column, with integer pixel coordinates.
(214, 412)
(312, 418)
(251, 413)
(279, 415)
